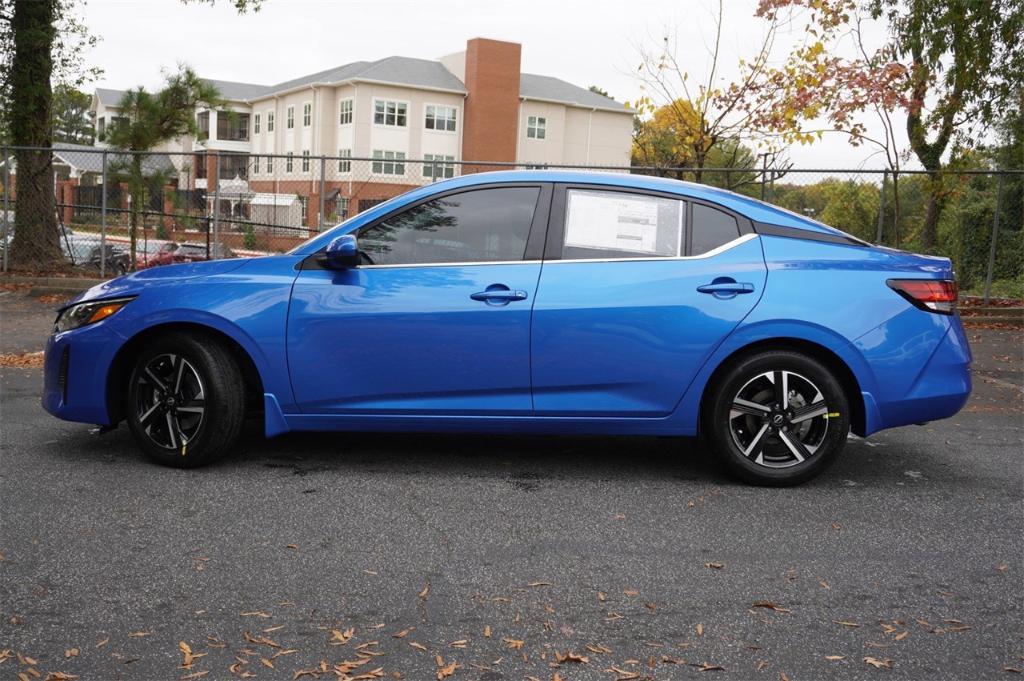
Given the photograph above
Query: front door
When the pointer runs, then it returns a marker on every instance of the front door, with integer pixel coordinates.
(437, 318)
(637, 290)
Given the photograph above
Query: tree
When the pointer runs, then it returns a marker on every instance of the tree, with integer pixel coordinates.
(708, 112)
(36, 240)
(150, 119)
(660, 142)
(951, 66)
(71, 122)
(600, 91)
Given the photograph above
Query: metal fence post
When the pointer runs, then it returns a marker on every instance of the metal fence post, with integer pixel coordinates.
(995, 237)
(433, 172)
(216, 201)
(103, 220)
(7, 203)
(881, 208)
(323, 172)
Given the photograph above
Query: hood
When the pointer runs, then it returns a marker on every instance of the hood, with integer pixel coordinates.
(136, 282)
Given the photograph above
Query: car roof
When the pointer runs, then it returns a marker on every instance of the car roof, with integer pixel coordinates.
(755, 210)
(752, 208)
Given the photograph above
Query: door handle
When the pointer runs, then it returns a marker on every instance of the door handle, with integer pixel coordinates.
(498, 294)
(724, 287)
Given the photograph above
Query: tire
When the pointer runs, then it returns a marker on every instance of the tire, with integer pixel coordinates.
(773, 437)
(190, 381)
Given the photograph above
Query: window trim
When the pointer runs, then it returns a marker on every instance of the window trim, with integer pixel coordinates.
(289, 118)
(537, 127)
(270, 120)
(534, 240)
(342, 111)
(559, 203)
(307, 114)
(373, 112)
(437, 106)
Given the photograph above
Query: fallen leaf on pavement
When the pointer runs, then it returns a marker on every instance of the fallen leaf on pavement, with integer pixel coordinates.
(71, 652)
(835, 658)
(418, 646)
(139, 634)
(878, 664)
(714, 566)
(768, 605)
(845, 623)
(513, 643)
(569, 656)
(535, 584)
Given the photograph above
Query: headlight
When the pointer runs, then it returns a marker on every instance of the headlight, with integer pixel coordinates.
(88, 313)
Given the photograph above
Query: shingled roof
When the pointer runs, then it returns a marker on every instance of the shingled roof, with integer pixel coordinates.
(405, 71)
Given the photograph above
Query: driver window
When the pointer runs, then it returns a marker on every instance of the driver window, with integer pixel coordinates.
(483, 225)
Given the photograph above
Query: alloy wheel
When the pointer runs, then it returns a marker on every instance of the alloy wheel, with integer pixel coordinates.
(778, 419)
(170, 401)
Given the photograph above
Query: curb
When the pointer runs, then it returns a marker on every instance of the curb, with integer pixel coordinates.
(51, 285)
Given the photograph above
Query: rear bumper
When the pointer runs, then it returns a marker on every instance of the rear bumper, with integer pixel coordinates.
(934, 389)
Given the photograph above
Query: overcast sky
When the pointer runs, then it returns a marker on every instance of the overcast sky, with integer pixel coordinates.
(585, 43)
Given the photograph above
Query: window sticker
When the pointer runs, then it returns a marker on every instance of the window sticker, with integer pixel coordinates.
(616, 221)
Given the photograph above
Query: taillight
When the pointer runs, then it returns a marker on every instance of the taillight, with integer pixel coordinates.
(933, 295)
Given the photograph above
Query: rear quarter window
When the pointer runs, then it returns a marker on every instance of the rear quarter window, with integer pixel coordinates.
(711, 228)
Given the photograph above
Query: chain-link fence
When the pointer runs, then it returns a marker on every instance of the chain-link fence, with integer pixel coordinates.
(186, 206)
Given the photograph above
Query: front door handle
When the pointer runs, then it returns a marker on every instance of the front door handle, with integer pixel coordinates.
(725, 287)
(498, 294)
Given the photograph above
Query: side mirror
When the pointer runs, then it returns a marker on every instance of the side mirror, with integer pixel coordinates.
(341, 253)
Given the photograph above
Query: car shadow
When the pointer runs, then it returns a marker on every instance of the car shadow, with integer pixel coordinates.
(523, 458)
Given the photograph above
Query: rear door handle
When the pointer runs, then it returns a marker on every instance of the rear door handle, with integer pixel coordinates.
(726, 288)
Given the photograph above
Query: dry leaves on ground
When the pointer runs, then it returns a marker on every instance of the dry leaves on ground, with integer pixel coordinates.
(23, 360)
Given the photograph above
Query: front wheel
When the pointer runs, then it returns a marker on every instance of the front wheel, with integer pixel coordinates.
(777, 418)
(186, 400)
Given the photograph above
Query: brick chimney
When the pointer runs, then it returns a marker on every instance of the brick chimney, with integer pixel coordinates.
(492, 105)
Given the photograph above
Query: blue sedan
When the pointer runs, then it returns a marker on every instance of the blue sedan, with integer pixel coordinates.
(530, 302)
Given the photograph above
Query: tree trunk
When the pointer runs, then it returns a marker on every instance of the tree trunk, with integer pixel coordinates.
(36, 242)
(936, 202)
(896, 207)
(136, 194)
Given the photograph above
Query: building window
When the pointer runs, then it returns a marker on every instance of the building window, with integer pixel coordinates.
(344, 166)
(535, 127)
(289, 162)
(203, 126)
(233, 165)
(255, 164)
(341, 210)
(388, 112)
(305, 160)
(440, 118)
(345, 112)
(444, 170)
(270, 121)
(304, 202)
(256, 124)
(101, 128)
(289, 118)
(307, 114)
(232, 126)
(270, 164)
(390, 162)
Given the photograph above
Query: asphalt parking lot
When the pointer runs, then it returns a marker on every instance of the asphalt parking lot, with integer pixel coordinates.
(429, 557)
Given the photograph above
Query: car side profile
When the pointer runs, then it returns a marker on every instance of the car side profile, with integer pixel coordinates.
(530, 302)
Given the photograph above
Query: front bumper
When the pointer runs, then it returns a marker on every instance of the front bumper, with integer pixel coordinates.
(75, 372)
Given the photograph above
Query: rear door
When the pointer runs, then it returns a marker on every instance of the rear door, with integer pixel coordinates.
(636, 291)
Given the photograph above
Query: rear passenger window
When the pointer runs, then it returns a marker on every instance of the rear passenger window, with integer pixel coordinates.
(711, 228)
(603, 224)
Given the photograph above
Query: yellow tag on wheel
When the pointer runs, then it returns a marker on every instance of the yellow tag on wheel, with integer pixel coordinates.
(184, 448)
(832, 415)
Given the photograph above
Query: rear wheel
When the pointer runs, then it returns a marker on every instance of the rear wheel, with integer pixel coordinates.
(186, 400)
(777, 418)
